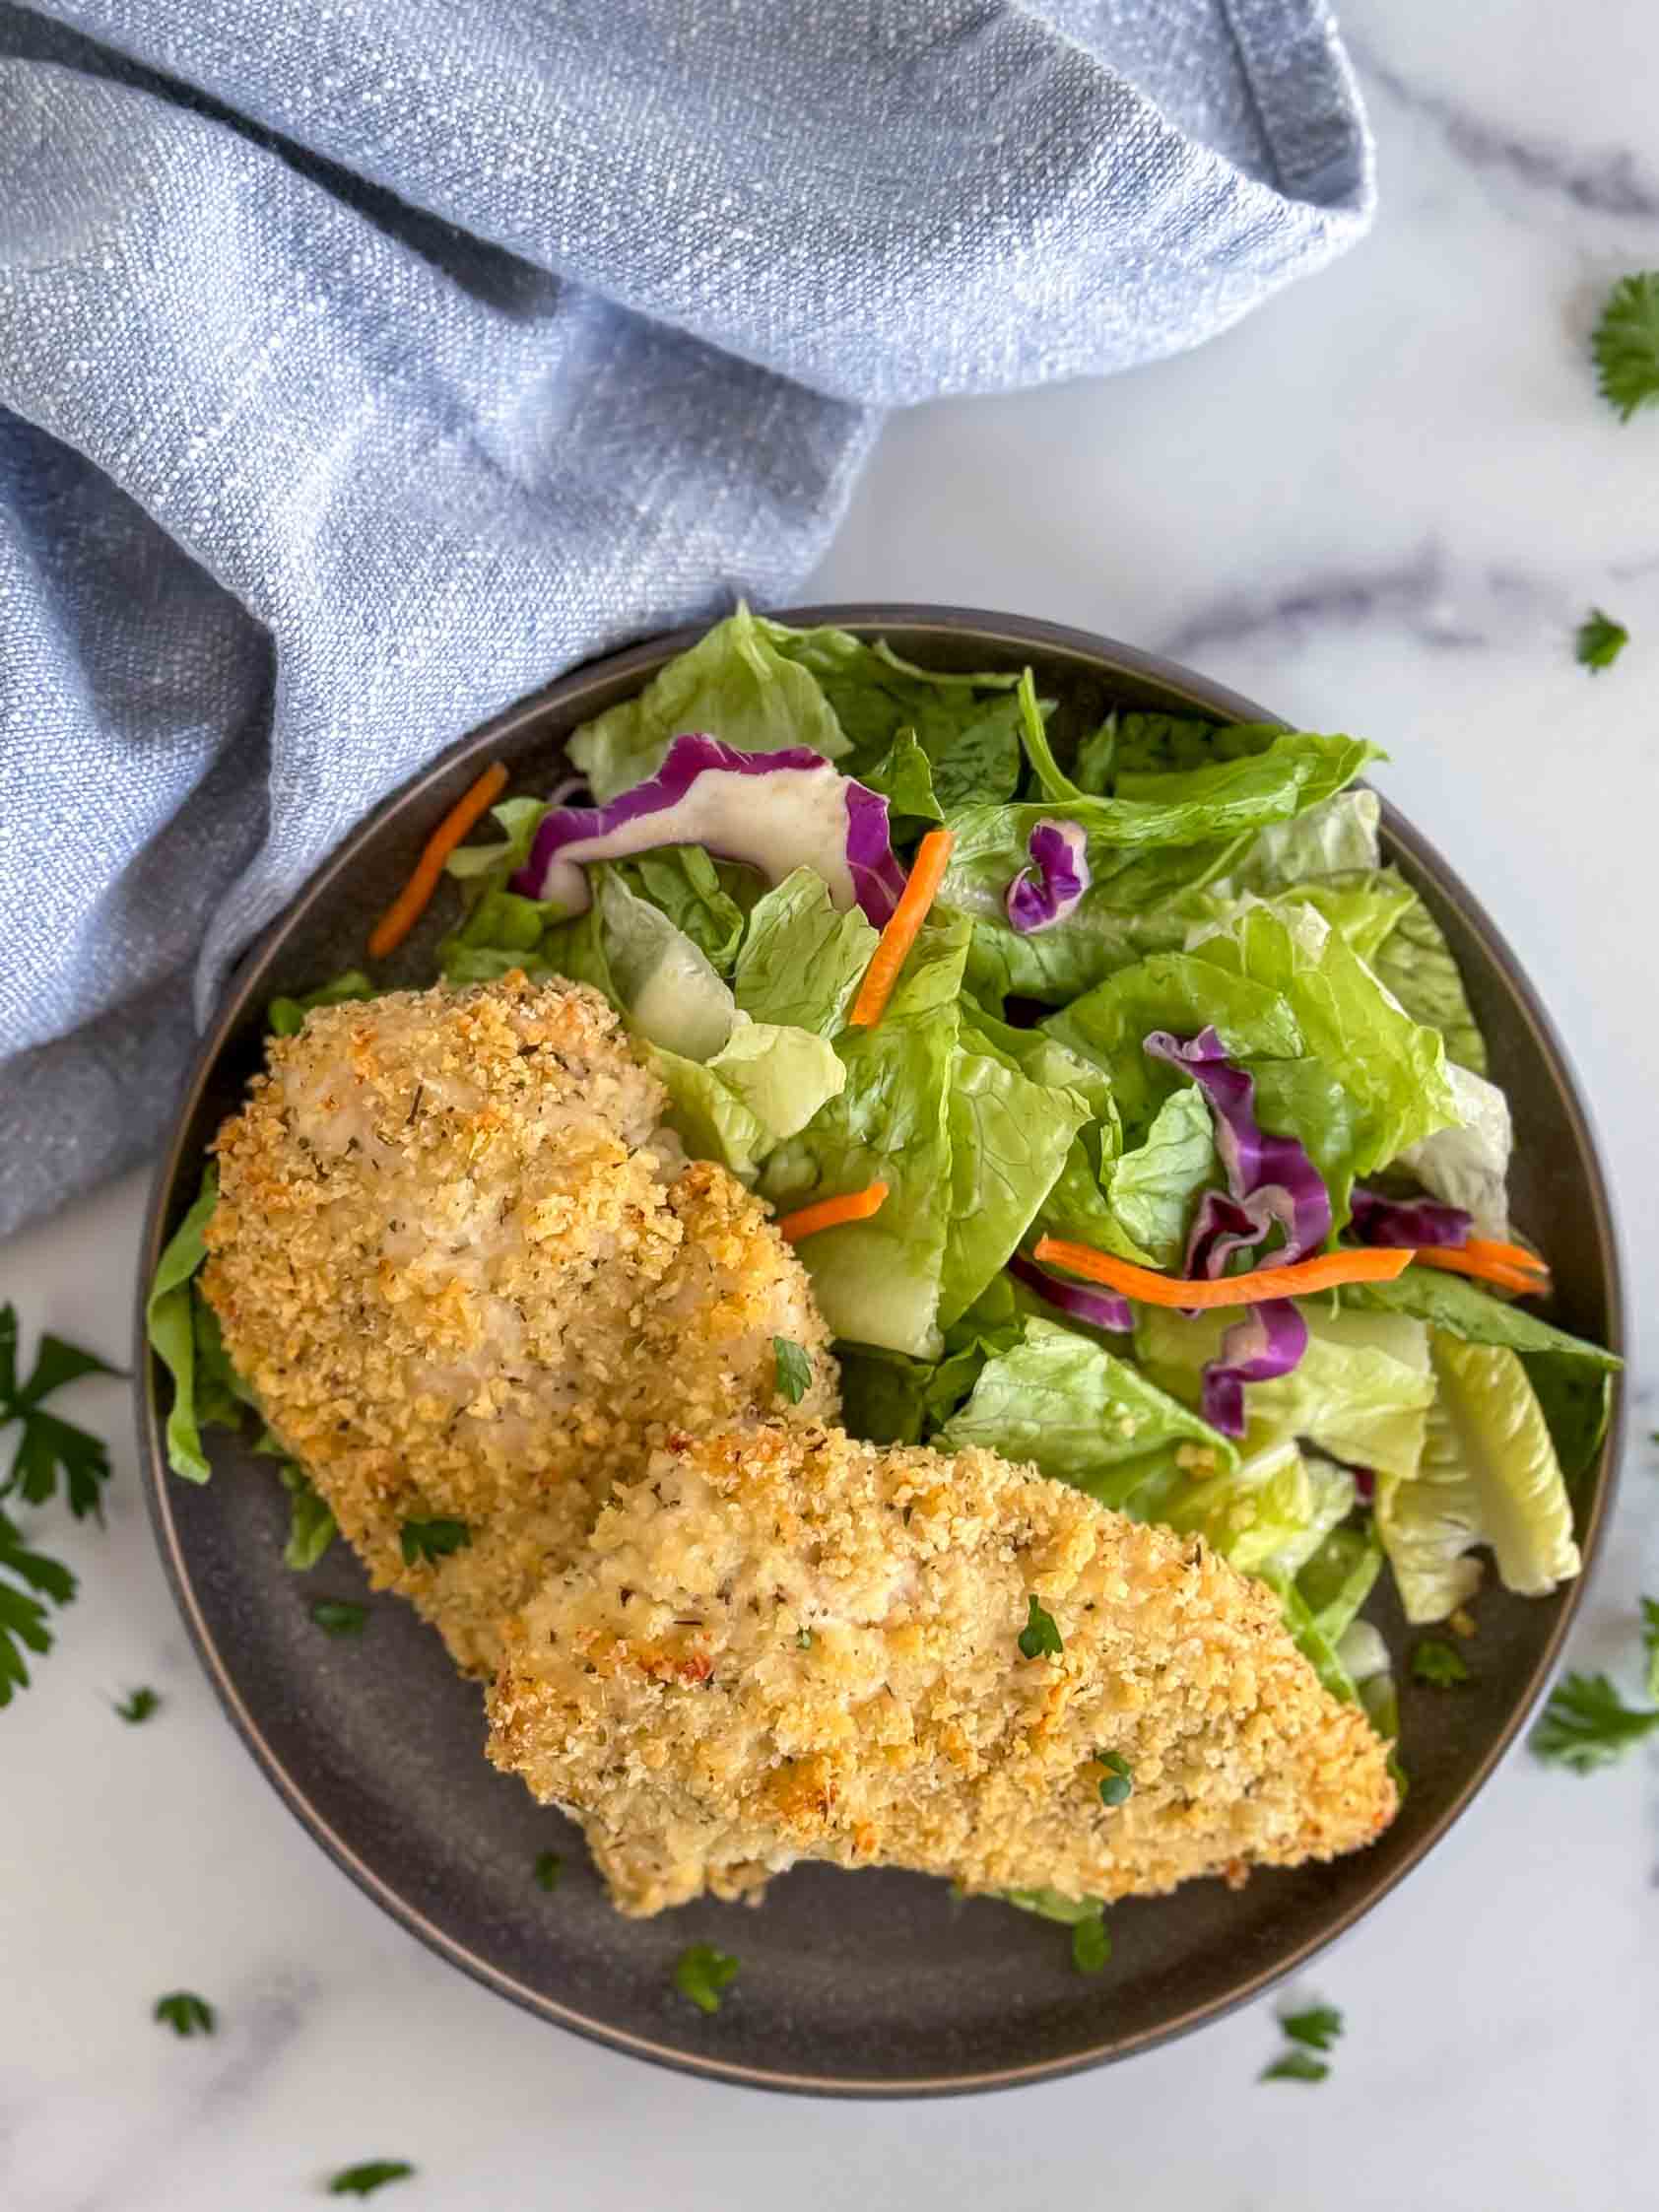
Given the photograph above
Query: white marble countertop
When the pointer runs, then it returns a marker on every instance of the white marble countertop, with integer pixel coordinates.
(1382, 504)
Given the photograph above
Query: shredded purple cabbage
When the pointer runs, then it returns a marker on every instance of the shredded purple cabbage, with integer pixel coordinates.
(1270, 1181)
(1049, 887)
(1101, 1309)
(816, 818)
(1380, 1220)
(1271, 1178)
(1269, 1341)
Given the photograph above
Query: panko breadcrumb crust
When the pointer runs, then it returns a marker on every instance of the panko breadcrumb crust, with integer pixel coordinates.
(468, 1276)
(781, 1643)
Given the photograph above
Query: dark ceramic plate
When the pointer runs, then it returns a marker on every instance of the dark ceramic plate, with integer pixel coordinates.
(876, 1983)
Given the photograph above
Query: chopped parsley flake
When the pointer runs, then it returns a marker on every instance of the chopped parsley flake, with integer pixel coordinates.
(138, 1705)
(1118, 1781)
(1650, 1644)
(1599, 641)
(1438, 1664)
(1296, 2066)
(433, 1540)
(1040, 1634)
(549, 1867)
(701, 1972)
(794, 1370)
(1319, 2027)
(803, 1639)
(185, 2013)
(373, 2174)
(340, 1616)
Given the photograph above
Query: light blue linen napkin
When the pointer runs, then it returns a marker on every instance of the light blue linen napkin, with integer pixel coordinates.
(364, 366)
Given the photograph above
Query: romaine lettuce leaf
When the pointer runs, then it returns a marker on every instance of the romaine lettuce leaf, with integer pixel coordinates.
(1360, 1391)
(1468, 1164)
(874, 694)
(684, 883)
(1177, 991)
(1151, 1190)
(286, 1017)
(1083, 1416)
(782, 1075)
(904, 779)
(878, 1281)
(495, 862)
(169, 1324)
(664, 986)
(1489, 1475)
(711, 1120)
(1267, 1515)
(735, 684)
(1010, 1138)
(1392, 1068)
(1572, 1378)
(1338, 1577)
(1416, 963)
(801, 961)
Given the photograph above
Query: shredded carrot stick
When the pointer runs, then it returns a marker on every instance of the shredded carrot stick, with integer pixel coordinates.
(413, 900)
(1370, 1263)
(927, 873)
(829, 1212)
(1471, 1260)
(1506, 1256)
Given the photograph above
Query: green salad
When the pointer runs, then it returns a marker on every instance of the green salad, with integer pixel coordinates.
(1167, 1021)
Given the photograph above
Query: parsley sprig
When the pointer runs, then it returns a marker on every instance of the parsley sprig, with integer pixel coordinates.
(1626, 344)
(1312, 2030)
(1587, 1725)
(49, 1447)
(1040, 1634)
(429, 1541)
(51, 1453)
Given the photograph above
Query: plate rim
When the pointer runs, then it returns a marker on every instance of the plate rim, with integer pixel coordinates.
(1104, 656)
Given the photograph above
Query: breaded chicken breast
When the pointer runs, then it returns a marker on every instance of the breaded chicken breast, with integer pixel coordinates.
(470, 1278)
(781, 1643)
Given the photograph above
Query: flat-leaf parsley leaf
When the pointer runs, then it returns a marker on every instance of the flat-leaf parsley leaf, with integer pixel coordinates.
(138, 1705)
(1296, 2066)
(49, 1446)
(185, 2013)
(1626, 344)
(1587, 1724)
(1318, 2026)
(794, 1370)
(22, 1616)
(1438, 1664)
(1040, 1634)
(433, 1540)
(340, 1616)
(373, 2173)
(701, 1972)
(1599, 641)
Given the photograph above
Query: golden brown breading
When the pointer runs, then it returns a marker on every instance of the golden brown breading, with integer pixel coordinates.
(781, 1643)
(449, 1260)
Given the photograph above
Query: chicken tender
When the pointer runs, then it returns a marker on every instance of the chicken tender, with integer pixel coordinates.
(469, 1278)
(781, 1643)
